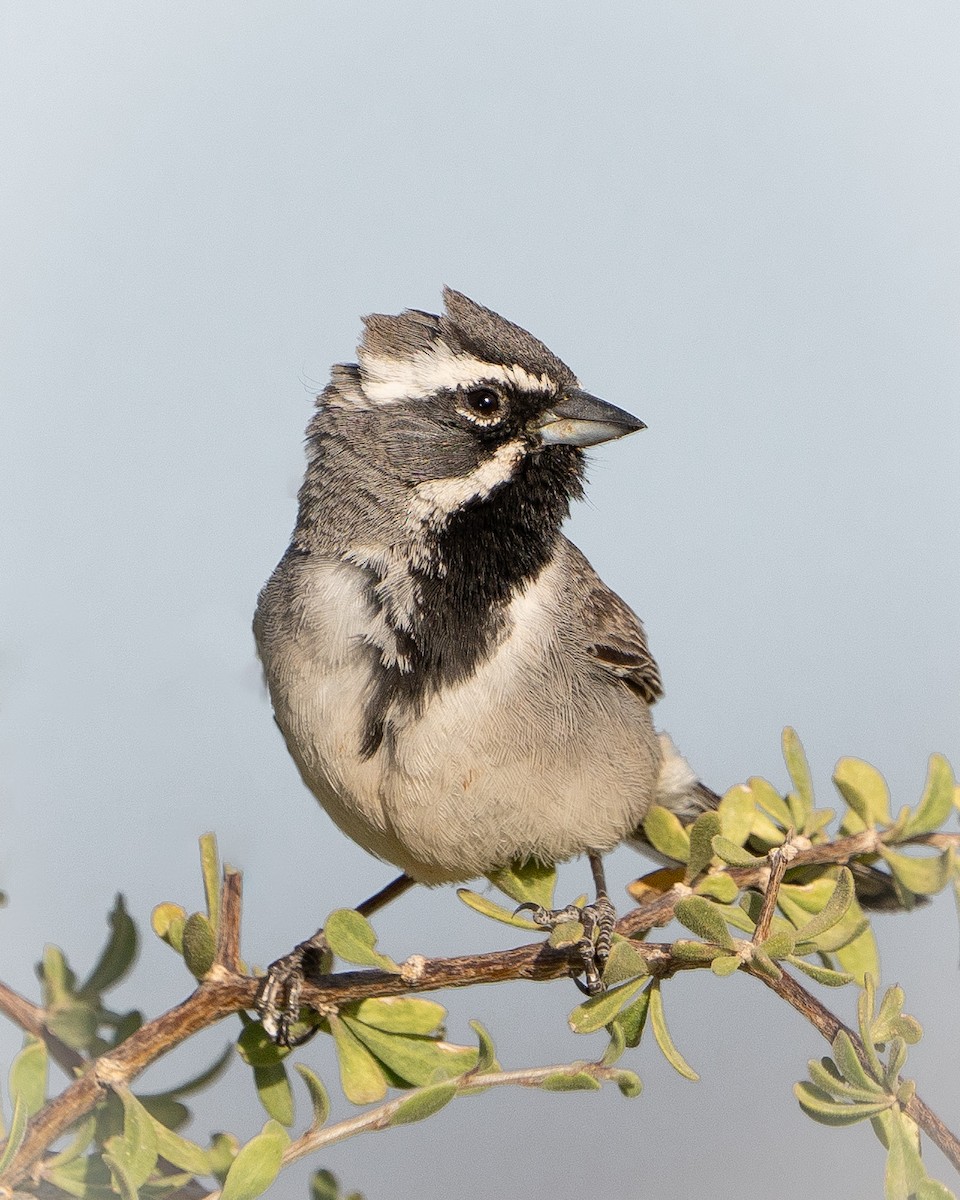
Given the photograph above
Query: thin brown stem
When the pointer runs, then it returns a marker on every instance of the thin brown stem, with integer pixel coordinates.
(780, 858)
(797, 996)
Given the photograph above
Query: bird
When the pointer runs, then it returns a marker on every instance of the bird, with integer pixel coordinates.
(457, 686)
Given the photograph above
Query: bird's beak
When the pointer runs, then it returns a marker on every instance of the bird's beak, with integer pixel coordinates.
(579, 419)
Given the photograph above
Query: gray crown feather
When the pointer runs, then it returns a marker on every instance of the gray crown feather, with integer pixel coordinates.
(466, 328)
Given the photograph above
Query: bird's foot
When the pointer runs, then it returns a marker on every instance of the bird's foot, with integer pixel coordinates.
(593, 947)
(278, 998)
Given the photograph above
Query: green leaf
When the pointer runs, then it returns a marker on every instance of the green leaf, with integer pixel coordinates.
(324, 1186)
(823, 1077)
(800, 799)
(737, 810)
(904, 1169)
(566, 933)
(860, 957)
(600, 1010)
(76, 1024)
(361, 1077)
(662, 1034)
(423, 1103)
(925, 876)
(210, 869)
(257, 1164)
(633, 1018)
(718, 887)
(199, 944)
(738, 916)
(849, 1064)
(833, 911)
(399, 1014)
(629, 1083)
(318, 1095)
(570, 1081)
(931, 1189)
(616, 1046)
(692, 951)
(665, 833)
(18, 1129)
(118, 954)
(28, 1076)
(527, 883)
(489, 908)
(167, 921)
(59, 981)
(896, 1059)
(702, 832)
(487, 1056)
(841, 935)
(821, 974)
(702, 918)
(734, 855)
(418, 1060)
(258, 1049)
(822, 1107)
(351, 937)
(769, 799)
(275, 1093)
(811, 896)
(624, 962)
(186, 1155)
(124, 1184)
(134, 1153)
(891, 1022)
(778, 945)
(864, 789)
(725, 964)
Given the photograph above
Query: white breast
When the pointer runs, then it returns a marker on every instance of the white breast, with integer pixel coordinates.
(540, 753)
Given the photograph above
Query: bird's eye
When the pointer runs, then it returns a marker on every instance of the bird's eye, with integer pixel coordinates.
(484, 402)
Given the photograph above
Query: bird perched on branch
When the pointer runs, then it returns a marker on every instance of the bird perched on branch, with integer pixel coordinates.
(457, 686)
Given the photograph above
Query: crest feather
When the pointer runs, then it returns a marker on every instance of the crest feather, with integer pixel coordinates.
(418, 353)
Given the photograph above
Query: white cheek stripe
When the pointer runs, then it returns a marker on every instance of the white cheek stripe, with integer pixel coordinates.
(435, 500)
(388, 380)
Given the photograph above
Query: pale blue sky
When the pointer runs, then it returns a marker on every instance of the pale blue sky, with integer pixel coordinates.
(737, 220)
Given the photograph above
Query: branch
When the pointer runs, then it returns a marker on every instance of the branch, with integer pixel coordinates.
(797, 996)
(225, 991)
(32, 1019)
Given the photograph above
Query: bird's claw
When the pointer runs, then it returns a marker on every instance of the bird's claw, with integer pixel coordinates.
(593, 948)
(278, 997)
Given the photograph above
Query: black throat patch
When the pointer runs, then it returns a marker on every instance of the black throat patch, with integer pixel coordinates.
(476, 562)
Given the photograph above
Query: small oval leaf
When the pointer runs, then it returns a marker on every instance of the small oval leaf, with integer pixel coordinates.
(351, 937)
(318, 1095)
(864, 789)
(662, 1034)
(526, 883)
(256, 1165)
(199, 944)
(665, 833)
(423, 1103)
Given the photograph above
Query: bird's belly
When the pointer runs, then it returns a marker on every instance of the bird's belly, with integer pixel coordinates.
(523, 759)
(482, 779)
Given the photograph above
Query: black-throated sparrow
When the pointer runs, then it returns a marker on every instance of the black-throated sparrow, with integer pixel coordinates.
(457, 686)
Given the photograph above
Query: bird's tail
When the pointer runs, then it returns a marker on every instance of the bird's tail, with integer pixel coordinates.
(681, 791)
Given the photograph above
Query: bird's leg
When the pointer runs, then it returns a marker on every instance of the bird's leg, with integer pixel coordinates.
(597, 919)
(278, 998)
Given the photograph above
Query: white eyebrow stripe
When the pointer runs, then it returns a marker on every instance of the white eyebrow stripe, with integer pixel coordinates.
(389, 380)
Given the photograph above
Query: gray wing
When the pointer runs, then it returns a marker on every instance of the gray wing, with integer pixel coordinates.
(614, 633)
